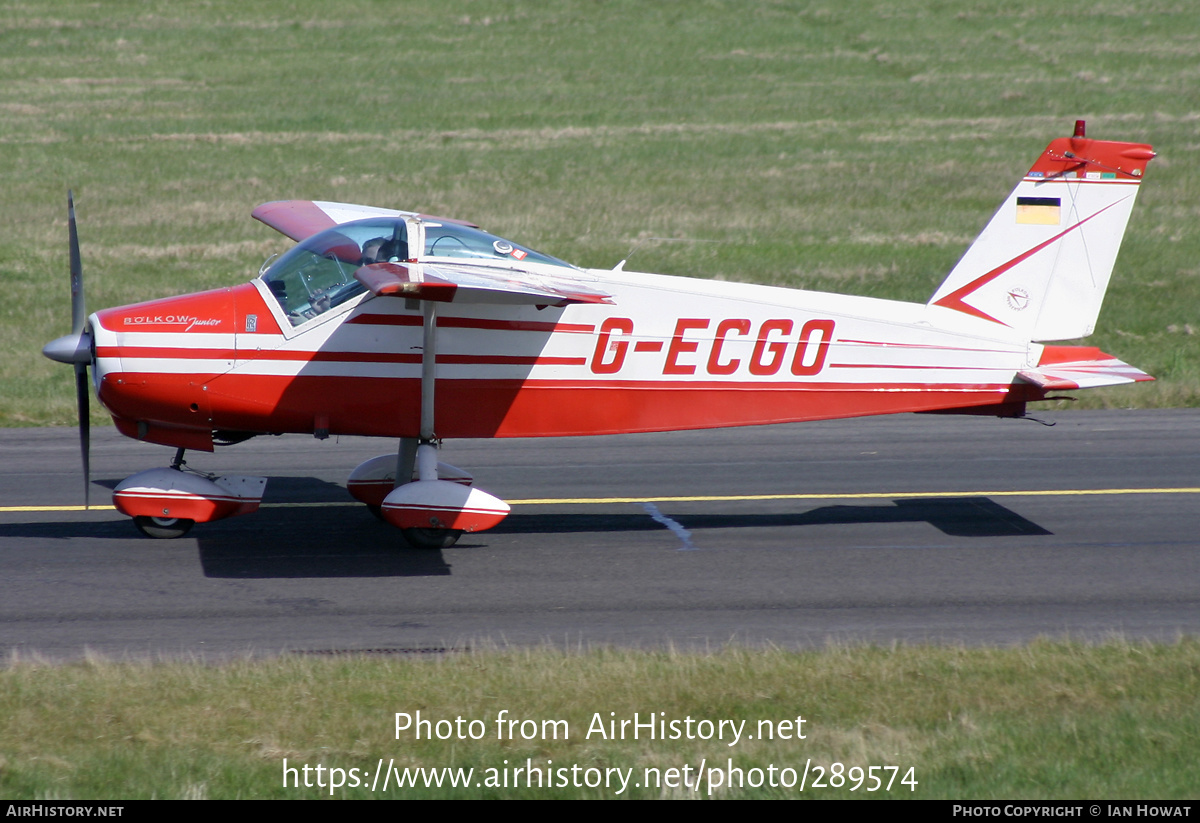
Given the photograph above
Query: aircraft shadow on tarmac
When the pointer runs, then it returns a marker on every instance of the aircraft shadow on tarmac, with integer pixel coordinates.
(955, 516)
(310, 540)
(341, 542)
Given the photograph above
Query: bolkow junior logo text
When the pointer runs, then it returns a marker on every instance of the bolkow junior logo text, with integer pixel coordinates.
(170, 320)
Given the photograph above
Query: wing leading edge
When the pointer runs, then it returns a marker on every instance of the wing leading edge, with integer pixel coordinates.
(474, 284)
(301, 219)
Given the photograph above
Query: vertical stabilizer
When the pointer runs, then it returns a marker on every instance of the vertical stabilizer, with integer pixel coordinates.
(1042, 265)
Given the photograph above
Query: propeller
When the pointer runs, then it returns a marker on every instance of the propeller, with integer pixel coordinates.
(76, 348)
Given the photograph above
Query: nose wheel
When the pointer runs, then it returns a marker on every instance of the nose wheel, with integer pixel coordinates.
(163, 527)
(166, 502)
(431, 538)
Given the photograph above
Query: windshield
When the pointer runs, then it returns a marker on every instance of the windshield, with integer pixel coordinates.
(453, 240)
(318, 274)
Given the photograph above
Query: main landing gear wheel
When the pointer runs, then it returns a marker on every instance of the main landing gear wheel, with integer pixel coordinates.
(163, 528)
(431, 538)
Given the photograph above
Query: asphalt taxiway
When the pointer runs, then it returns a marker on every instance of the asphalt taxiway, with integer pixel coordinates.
(915, 528)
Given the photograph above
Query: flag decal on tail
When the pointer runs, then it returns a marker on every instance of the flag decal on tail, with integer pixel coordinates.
(1044, 211)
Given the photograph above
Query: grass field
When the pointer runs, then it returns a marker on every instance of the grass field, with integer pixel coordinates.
(1048, 721)
(852, 146)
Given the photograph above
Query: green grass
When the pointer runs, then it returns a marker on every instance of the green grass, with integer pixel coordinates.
(854, 147)
(1045, 721)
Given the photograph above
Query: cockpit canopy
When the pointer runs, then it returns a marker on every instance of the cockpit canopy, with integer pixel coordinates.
(318, 274)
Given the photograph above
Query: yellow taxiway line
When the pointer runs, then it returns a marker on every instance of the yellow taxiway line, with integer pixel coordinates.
(712, 498)
(726, 498)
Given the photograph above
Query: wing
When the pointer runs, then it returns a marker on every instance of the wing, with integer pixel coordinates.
(476, 284)
(301, 219)
(463, 283)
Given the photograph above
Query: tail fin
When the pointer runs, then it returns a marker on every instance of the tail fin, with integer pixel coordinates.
(1042, 264)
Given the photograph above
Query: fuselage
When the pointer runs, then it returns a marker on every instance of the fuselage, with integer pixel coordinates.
(667, 353)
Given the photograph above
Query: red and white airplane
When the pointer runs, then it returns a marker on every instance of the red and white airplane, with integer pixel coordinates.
(403, 325)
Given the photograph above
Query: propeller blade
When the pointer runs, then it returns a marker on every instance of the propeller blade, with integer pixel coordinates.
(78, 305)
(80, 356)
(85, 438)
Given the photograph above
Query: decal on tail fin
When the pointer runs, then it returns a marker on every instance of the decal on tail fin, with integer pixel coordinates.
(1042, 265)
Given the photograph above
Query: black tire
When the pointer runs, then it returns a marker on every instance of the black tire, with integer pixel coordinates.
(163, 528)
(431, 538)
(378, 512)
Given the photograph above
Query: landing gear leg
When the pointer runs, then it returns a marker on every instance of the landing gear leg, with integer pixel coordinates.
(427, 446)
(406, 460)
(432, 512)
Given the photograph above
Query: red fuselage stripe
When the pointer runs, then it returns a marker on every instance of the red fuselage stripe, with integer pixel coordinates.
(472, 323)
(519, 408)
(883, 344)
(333, 356)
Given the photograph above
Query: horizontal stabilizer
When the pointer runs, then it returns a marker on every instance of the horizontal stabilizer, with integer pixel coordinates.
(1080, 367)
(474, 284)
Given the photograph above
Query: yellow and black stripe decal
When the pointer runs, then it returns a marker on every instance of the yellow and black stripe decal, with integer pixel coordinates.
(1042, 211)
